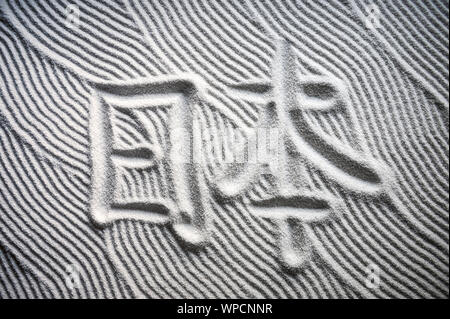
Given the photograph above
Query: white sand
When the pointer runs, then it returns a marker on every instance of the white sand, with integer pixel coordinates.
(234, 149)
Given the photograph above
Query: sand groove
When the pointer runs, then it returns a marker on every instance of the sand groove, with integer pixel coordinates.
(396, 113)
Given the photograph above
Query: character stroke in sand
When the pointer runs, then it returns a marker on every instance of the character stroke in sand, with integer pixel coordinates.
(291, 203)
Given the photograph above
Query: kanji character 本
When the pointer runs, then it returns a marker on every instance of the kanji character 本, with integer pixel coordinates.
(291, 204)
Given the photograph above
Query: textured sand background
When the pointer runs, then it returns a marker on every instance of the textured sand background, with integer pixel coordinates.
(393, 70)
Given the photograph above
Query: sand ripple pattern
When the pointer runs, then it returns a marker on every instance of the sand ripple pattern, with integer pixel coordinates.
(397, 77)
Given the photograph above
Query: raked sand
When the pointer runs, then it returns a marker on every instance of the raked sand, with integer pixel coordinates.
(224, 149)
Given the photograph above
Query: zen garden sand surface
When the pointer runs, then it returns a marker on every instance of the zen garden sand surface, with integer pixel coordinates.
(224, 149)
